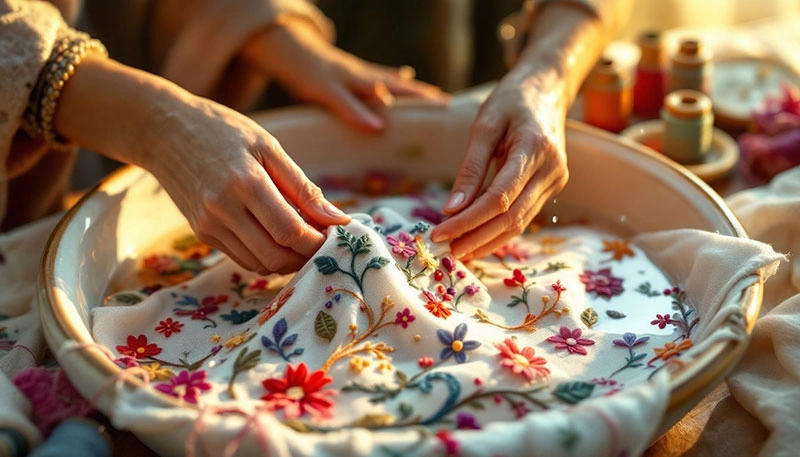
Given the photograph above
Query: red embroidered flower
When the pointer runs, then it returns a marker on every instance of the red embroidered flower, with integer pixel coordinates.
(435, 306)
(258, 284)
(449, 443)
(662, 320)
(518, 279)
(602, 282)
(404, 318)
(571, 341)
(168, 327)
(139, 348)
(162, 264)
(299, 393)
(513, 250)
(557, 287)
(186, 386)
(523, 361)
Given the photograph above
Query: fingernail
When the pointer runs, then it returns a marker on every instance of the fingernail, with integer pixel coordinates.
(374, 121)
(407, 72)
(455, 200)
(437, 237)
(332, 210)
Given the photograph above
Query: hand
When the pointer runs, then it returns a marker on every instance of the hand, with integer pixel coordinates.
(521, 127)
(237, 187)
(313, 70)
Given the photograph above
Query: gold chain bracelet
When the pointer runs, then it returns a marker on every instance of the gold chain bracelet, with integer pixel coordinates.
(66, 56)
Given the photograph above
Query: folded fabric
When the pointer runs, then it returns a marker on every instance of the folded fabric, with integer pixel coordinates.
(384, 344)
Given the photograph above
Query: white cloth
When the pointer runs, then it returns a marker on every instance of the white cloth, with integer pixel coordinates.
(332, 315)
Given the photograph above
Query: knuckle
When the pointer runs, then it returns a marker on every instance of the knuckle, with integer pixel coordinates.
(287, 233)
(471, 169)
(515, 221)
(310, 192)
(499, 199)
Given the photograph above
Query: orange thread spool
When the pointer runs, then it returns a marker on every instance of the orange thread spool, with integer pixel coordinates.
(608, 97)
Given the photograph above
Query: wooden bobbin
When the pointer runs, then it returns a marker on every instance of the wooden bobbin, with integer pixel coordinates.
(688, 126)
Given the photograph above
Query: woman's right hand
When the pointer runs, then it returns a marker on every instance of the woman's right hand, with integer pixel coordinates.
(239, 189)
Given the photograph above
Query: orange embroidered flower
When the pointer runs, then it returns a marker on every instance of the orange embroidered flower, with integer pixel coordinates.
(435, 306)
(618, 248)
(671, 350)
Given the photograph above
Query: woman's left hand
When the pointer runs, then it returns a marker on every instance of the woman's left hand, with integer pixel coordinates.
(521, 128)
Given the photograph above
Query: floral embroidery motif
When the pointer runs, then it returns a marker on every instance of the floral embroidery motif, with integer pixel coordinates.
(402, 245)
(602, 282)
(570, 340)
(168, 326)
(279, 344)
(454, 344)
(523, 362)
(404, 318)
(186, 386)
(619, 249)
(670, 350)
(299, 393)
(630, 341)
(200, 310)
(139, 348)
(531, 320)
(436, 306)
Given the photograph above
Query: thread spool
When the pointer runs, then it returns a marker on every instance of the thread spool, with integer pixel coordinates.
(650, 81)
(690, 67)
(688, 126)
(75, 438)
(608, 97)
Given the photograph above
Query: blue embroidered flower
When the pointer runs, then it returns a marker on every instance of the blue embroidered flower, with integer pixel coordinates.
(630, 341)
(454, 345)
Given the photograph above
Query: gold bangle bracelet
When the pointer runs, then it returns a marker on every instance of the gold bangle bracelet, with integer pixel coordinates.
(66, 56)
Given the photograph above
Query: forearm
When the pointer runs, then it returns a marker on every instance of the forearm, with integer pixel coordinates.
(112, 109)
(564, 43)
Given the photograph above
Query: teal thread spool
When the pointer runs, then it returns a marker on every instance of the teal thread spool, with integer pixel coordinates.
(688, 126)
(690, 68)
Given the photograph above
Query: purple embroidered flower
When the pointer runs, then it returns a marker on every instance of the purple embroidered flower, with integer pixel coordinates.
(404, 245)
(571, 341)
(466, 421)
(186, 385)
(428, 213)
(472, 290)
(602, 282)
(449, 264)
(662, 320)
(454, 345)
(630, 341)
(404, 318)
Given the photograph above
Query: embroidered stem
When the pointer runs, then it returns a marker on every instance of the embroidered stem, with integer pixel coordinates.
(350, 348)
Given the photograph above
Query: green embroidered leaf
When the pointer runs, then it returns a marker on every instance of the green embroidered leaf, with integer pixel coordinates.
(296, 425)
(377, 263)
(615, 314)
(647, 289)
(325, 325)
(236, 317)
(405, 410)
(516, 301)
(589, 317)
(128, 298)
(402, 378)
(246, 360)
(569, 437)
(475, 404)
(573, 392)
(326, 265)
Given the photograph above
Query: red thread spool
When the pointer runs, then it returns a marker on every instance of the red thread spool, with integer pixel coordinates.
(648, 88)
(607, 97)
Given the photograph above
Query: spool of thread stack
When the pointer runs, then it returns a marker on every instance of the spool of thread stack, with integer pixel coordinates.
(608, 97)
(690, 67)
(688, 126)
(650, 81)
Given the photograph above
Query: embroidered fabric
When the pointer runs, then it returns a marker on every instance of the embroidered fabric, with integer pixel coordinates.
(559, 344)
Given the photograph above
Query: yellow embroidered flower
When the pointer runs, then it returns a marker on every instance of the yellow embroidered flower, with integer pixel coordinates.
(550, 243)
(237, 340)
(358, 364)
(424, 254)
(385, 365)
(215, 339)
(156, 373)
(619, 249)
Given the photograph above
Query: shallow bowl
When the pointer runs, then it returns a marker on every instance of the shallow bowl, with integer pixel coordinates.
(613, 181)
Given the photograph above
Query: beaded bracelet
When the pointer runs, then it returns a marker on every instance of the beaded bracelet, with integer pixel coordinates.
(40, 114)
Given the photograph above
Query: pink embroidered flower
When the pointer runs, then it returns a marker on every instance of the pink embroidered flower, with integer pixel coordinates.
(449, 264)
(139, 348)
(517, 279)
(662, 320)
(404, 245)
(602, 282)
(168, 326)
(52, 396)
(513, 250)
(126, 362)
(472, 290)
(404, 318)
(523, 361)
(186, 386)
(521, 409)
(299, 393)
(571, 341)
